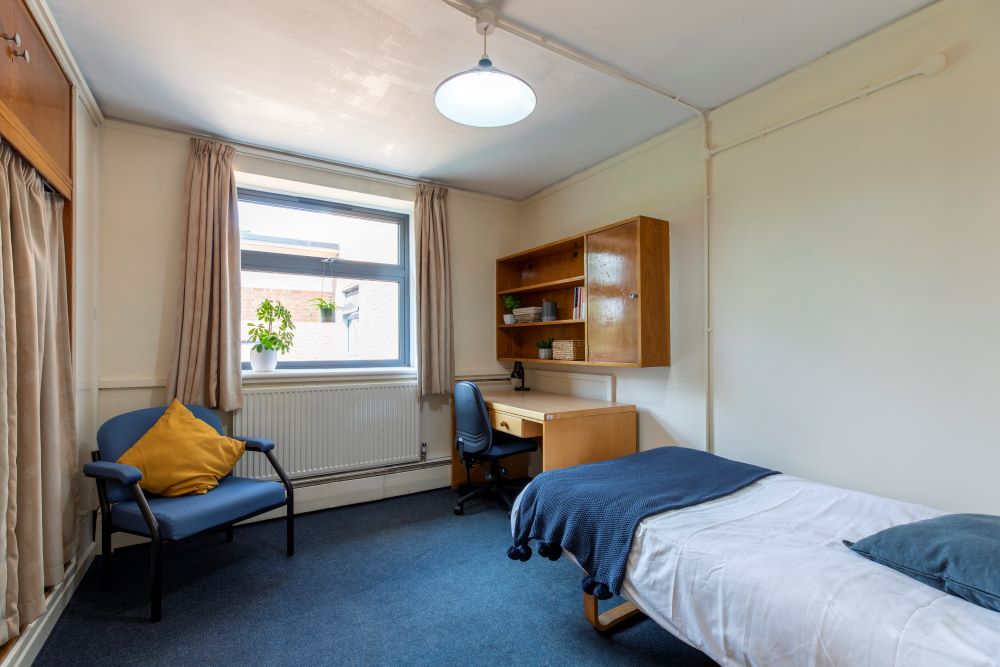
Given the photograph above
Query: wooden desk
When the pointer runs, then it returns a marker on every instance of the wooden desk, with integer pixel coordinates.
(572, 430)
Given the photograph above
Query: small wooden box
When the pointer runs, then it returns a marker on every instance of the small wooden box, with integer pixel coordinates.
(568, 350)
(530, 314)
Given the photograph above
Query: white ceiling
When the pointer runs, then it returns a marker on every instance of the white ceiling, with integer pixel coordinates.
(353, 80)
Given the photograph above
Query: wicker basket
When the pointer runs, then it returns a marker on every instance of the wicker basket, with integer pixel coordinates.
(568, 350)
(531, 314)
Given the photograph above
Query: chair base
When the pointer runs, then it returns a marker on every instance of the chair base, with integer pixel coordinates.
(495, 489)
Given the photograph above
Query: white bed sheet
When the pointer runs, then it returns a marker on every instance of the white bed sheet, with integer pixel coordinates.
(760, 577)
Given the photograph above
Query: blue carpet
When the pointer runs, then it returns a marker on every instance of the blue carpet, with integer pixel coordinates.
(390, 582)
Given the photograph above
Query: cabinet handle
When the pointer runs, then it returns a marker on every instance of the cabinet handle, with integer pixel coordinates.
(23, 54)
(505, 425)
(15, 38)
(633, 295)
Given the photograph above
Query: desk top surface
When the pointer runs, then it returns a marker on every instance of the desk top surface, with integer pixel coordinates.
(540, 406)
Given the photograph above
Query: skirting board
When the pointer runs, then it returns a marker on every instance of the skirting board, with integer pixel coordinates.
(29, 644)
(337, 493)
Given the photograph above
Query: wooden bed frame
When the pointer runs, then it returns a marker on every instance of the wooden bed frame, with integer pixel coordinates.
(609, 619)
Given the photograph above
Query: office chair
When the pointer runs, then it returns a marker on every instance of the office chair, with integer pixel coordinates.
(478, 442)
(126, 508)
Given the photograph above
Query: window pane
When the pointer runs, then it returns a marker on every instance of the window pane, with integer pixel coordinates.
(366, 321)
(277, 229)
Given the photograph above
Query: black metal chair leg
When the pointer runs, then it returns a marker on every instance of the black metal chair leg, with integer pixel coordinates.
(289, 502)
(155, 579)
(106, 554)
(229, 533)
(155, 555)
(290, 525)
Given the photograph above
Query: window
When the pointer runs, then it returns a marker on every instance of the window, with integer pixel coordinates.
(294, 249)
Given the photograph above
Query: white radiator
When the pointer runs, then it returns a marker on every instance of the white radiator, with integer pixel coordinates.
(321, 430)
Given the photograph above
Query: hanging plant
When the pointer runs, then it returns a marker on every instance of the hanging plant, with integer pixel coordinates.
(326, 309)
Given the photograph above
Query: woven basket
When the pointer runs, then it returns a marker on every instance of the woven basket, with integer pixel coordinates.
(568, 350)
(531, 314)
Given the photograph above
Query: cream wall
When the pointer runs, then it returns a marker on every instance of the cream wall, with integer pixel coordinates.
(86, 178)
(142, 193)
(854, 268)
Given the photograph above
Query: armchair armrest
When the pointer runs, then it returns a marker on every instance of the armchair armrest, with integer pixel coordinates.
(112, 472)
(257, 444)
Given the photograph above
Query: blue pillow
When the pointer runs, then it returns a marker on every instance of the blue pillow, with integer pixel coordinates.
(956, 553)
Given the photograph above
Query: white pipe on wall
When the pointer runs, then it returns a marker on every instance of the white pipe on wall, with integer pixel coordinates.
(932, 64)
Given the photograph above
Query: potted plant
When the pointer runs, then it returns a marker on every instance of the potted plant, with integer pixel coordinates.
(326, 309)
(510, 303)
(544, 348)
(267, 339)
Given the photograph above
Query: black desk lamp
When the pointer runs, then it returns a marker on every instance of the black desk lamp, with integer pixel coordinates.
(518, 374)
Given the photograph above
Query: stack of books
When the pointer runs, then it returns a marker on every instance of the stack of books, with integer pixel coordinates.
(579, 303)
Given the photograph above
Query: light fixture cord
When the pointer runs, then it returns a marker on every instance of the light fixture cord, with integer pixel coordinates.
(485, 56)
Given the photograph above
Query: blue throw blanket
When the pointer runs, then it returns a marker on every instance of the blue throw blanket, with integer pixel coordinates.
(593, 510)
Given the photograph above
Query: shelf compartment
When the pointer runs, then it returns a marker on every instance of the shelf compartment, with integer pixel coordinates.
(578, 362)
(550, 323)
(575, 281)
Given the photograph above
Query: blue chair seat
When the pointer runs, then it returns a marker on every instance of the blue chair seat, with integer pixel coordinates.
(505, 444)
(183, 516)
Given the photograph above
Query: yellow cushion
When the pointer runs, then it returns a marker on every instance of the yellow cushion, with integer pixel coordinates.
(181, 454)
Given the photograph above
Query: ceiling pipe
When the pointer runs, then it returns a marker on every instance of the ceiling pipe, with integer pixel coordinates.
(932, 64)
(484, 14)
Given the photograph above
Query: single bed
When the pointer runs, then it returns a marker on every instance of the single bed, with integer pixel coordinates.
(761, 577)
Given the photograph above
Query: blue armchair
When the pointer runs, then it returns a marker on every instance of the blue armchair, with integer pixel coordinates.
(125, 508)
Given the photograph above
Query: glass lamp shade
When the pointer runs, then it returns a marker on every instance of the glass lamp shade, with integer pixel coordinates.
(484, 97)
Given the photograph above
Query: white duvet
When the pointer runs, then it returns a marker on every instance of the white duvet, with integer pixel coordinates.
(761, 577)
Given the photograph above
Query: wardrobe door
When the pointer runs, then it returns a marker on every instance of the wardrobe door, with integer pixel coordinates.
(613, 295)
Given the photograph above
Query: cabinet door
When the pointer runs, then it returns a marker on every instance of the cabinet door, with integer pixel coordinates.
(613, 295)
(38, 98)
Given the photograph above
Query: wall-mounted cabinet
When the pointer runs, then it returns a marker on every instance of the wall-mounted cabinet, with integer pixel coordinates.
(624, 269)
(37, 103)
(36, 98)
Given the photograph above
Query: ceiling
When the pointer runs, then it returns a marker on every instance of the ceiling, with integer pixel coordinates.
(353, 80)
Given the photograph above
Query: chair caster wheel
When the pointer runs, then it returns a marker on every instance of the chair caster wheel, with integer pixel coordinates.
(459, 510)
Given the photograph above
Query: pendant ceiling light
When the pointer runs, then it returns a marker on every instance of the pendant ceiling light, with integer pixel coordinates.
(484, 96)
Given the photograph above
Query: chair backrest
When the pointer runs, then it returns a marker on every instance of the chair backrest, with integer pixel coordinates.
(473, 433)
(118, 434)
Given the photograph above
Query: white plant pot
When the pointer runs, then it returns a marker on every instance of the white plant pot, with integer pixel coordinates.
(508, 318)
(263, 362)
(545, 353)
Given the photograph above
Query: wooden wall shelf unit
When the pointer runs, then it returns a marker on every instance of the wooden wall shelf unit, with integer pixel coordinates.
(625, 269)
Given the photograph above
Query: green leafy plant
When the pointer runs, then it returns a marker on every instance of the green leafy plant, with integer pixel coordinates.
(510, 302)
(544, 343)
(323, 304)
(264, 335)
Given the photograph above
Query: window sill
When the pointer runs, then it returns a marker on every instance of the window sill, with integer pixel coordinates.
(329, 375)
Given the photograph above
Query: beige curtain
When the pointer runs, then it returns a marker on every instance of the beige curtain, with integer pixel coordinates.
(38, 449)
(434, 339)
(205, 362)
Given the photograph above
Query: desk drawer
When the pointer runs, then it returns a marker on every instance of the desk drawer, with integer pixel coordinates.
(523, 428)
